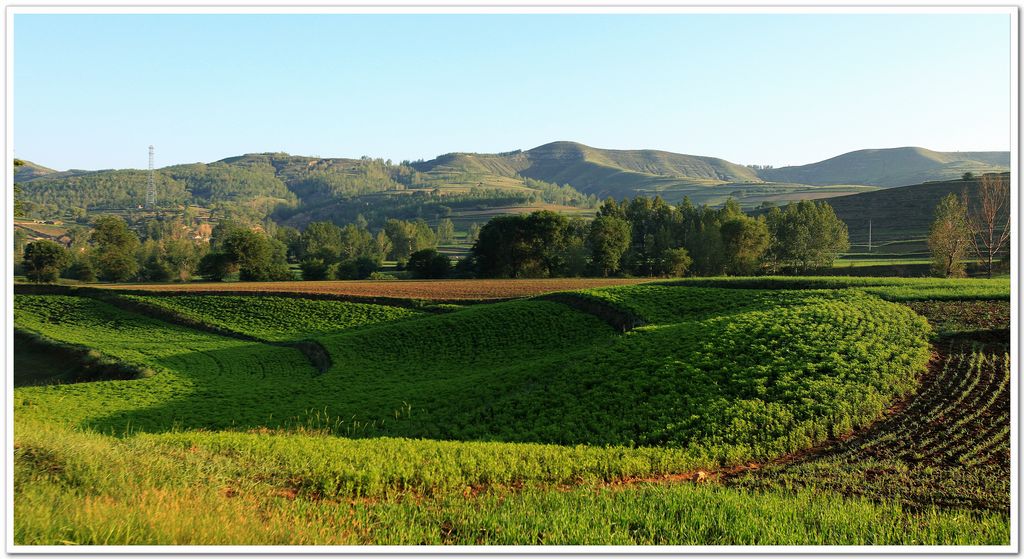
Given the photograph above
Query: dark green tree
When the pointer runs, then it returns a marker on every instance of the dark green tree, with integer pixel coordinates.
(81, 269)
(522, 246)
(314, 269)
(677, 262)
(429, 264)
(44, 260)
(321, 239)
(805, 236)
(257, 257)
(114, 249)
(609, 239)
(745, 241)
(357, 268)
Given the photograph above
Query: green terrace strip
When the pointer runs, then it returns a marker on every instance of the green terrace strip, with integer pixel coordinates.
(211, 381)
(194, 370)
(84, 488)
(890, 289)
(277, 319)
(326, 467)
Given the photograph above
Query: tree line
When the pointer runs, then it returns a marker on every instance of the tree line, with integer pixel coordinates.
(650, 237)
(168, 250)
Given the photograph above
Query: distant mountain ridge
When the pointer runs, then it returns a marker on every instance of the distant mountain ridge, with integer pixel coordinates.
(263, 181)
(617, 173)
(891, 167)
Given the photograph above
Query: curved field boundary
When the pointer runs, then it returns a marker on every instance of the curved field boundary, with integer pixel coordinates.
(95, 365)
(947, 446)
(890, 289)
(314, 352)
(620, 319)
(317, 355)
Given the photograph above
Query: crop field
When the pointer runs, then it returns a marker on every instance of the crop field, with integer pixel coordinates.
(276, 319)
(716, 411)
(948, 445)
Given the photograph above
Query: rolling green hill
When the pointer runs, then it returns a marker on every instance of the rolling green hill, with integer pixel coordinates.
(299, 189)
(892, 167)
(622, 173)
(897, 214)
(29, 170)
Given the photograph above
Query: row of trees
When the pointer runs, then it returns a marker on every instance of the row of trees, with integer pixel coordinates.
(649, 237)
(642, 236)
(327, 251)
(964, 227)
(113, 252)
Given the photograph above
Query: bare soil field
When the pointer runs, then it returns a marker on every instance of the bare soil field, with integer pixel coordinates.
(435, 290)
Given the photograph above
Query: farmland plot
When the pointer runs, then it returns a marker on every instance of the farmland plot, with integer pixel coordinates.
(516, 420)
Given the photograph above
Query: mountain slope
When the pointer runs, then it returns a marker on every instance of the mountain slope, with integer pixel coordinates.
(30, 170)
(891, 167)
(899, 213)
(261, 184)
(648, 162)
(594, 171)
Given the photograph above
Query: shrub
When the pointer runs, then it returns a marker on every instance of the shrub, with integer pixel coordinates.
(313, 269)
(356, 268)
(82, 270)
(429, 264)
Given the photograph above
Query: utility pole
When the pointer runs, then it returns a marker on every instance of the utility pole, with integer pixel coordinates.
(150, 184)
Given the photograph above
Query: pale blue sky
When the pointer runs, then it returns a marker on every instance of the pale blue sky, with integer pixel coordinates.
(93, 91)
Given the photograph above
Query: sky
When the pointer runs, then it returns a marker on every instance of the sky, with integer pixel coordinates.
(94, 91)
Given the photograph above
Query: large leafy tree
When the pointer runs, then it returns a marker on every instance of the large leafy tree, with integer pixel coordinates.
(407, 237)
(745, 241)
(949, 237)
(428, 263)
(44, 260)
(321, 240)
(114, 249)
(805, 236)
(522, 246)
(256, 256)
(609, 239)
(445, 231)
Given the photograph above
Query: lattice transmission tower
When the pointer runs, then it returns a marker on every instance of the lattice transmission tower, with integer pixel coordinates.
(150, 184)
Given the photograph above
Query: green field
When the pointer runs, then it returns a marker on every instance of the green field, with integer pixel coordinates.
(533, 421)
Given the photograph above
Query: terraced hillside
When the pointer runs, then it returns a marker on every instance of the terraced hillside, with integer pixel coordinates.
(900, 217)
(498, 405)
(572, 176)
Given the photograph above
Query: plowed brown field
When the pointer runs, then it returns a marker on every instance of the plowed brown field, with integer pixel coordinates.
(435, 290)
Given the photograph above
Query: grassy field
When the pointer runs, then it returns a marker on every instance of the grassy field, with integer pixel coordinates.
(731, 411)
